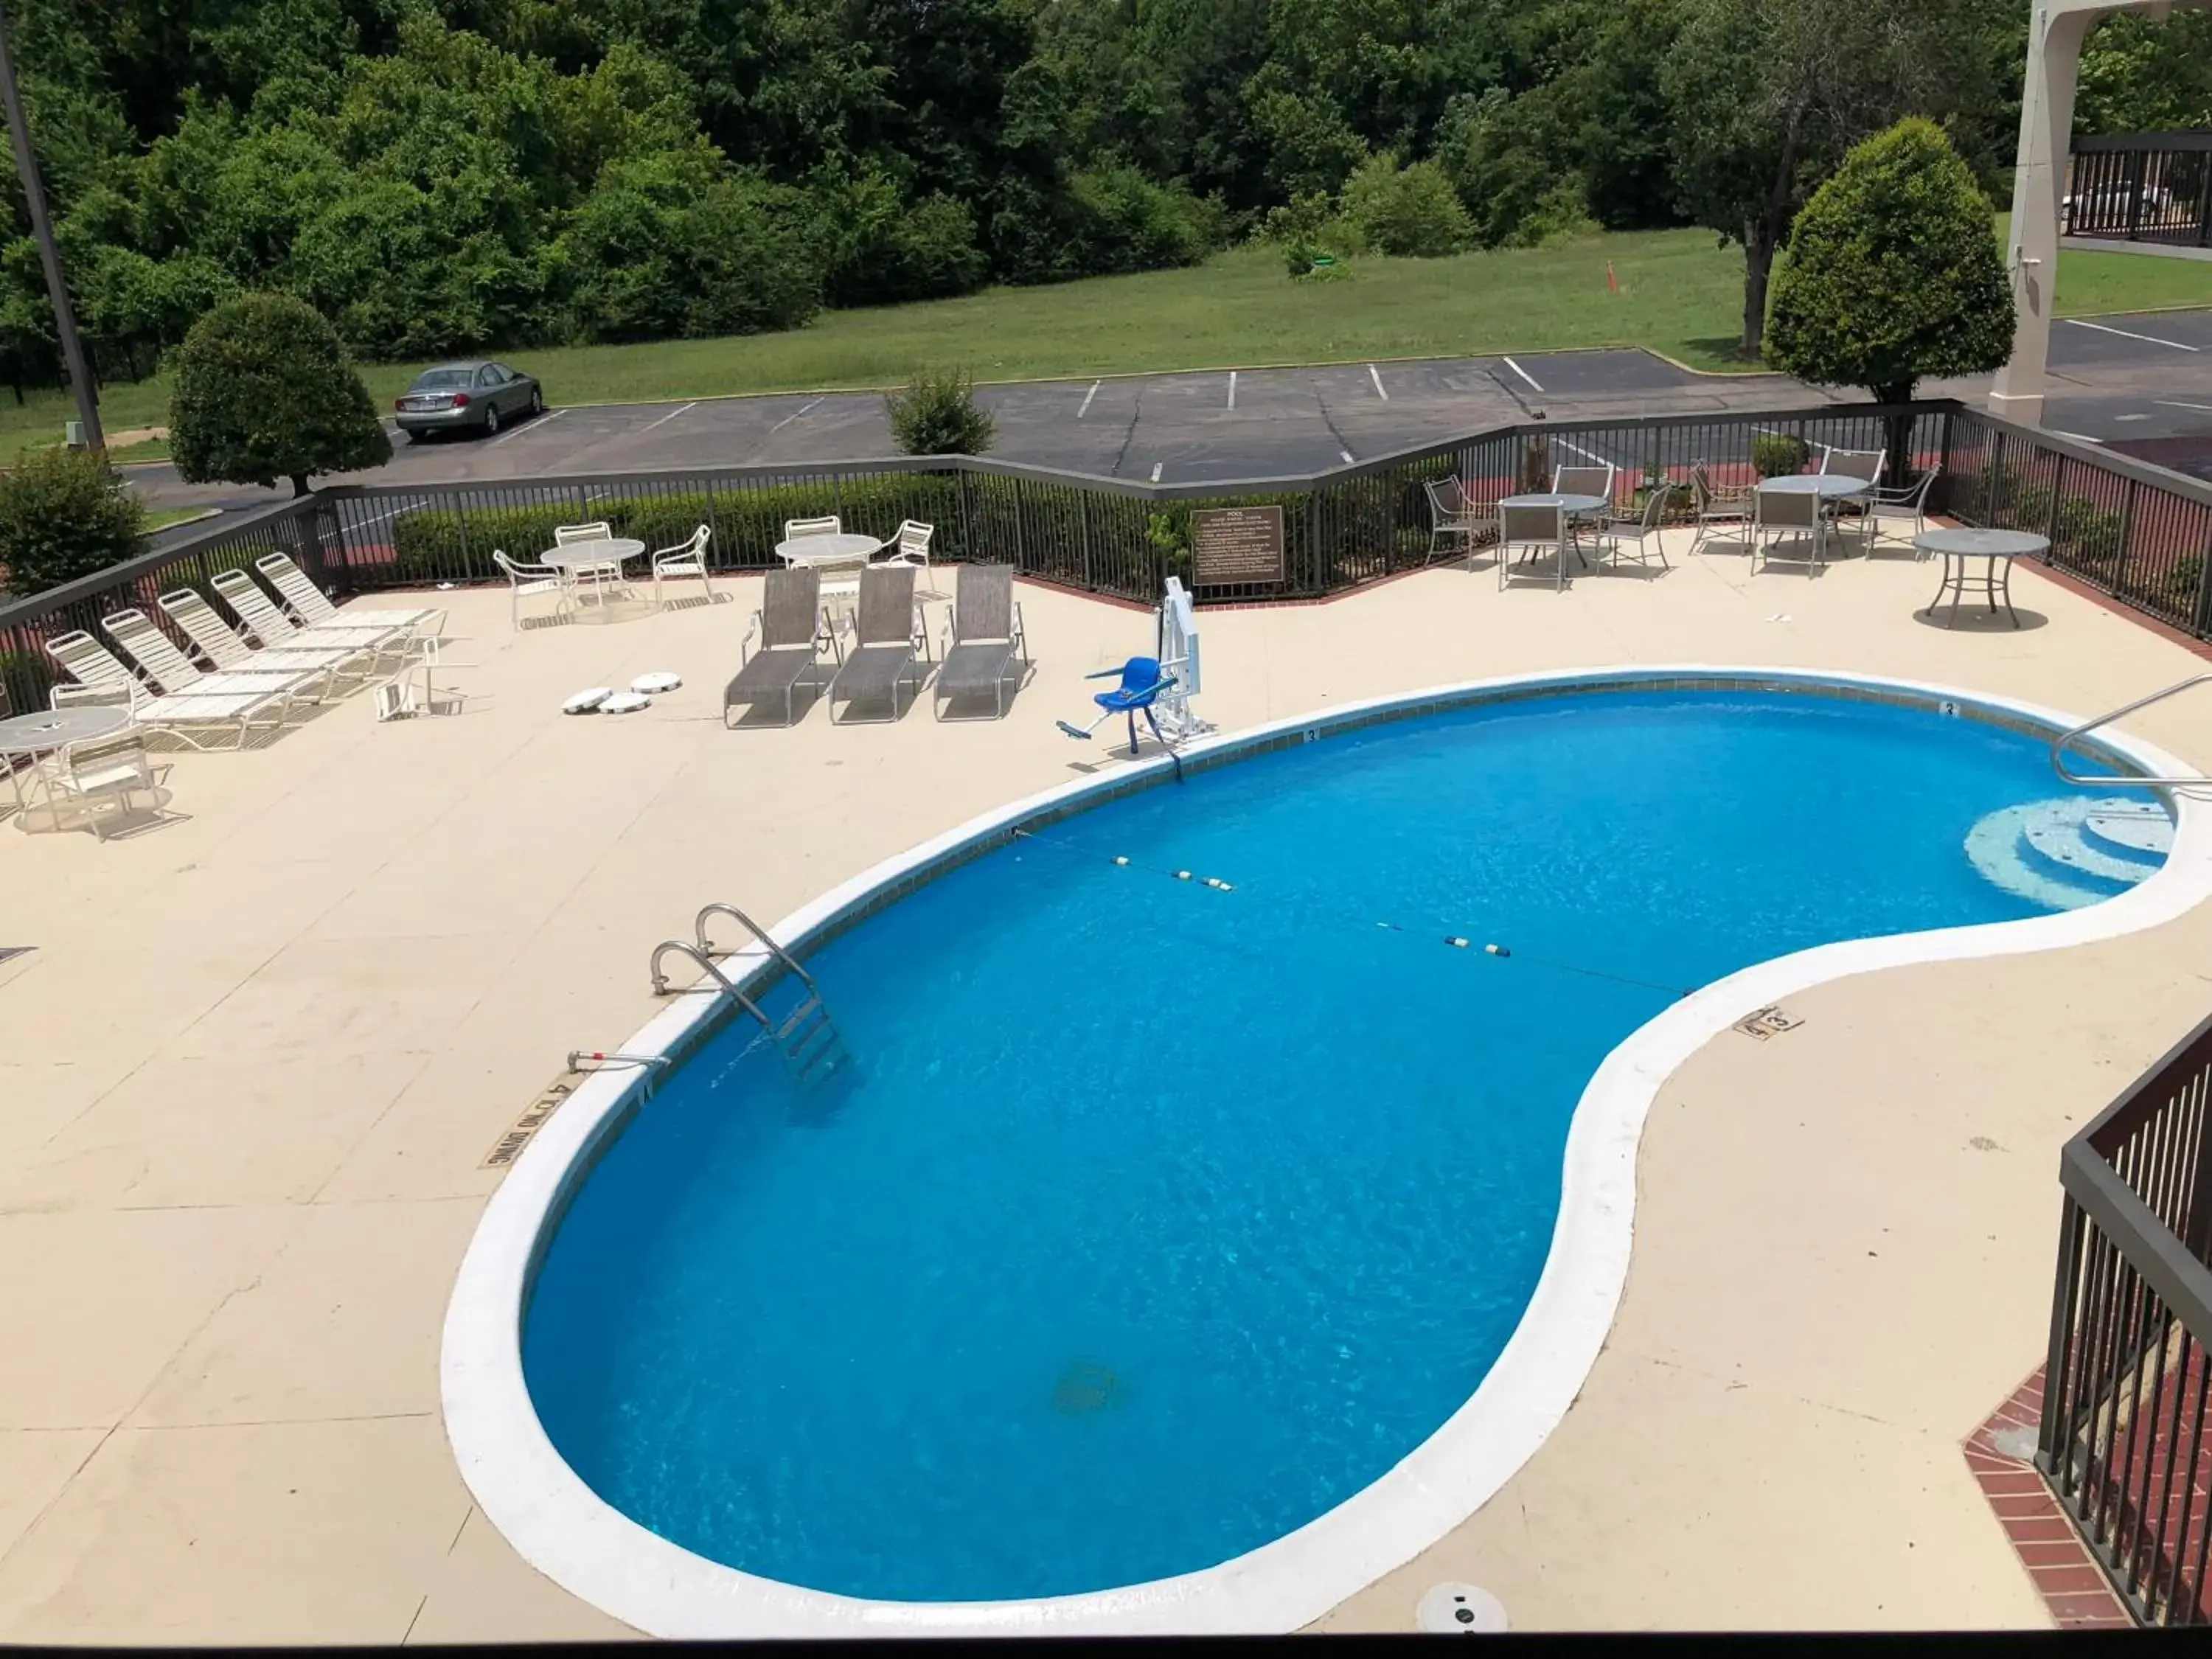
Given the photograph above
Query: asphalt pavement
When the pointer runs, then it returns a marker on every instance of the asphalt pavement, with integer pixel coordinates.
(2141, 385)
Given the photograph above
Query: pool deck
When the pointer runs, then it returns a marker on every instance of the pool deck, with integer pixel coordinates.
(250, 1071)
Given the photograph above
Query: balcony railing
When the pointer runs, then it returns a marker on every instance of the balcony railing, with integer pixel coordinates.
(2150, 187)
(2122, 1441)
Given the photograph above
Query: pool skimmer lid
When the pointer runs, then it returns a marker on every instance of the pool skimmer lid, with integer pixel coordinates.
(1461, 1610)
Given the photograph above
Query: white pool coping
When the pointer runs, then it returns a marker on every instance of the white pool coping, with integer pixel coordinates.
(566, 1531)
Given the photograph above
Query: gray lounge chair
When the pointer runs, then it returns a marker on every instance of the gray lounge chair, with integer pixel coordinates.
(789, 628)
(882, 658)
(984, 642)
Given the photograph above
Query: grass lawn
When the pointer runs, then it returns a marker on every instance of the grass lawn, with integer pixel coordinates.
(162, 518)
(1680, 294)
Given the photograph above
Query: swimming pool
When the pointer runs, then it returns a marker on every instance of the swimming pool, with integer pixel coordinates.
(1164, 1218)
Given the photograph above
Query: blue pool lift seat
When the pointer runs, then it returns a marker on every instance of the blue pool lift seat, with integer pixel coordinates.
(1142, 682)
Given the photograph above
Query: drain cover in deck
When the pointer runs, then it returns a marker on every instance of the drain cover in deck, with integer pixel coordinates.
(1461, 1610)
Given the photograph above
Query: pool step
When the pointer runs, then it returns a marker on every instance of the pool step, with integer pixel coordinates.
(2069, 852)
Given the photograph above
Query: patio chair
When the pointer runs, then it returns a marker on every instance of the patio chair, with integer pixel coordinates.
(1451, 515)
(1596, 480)
(793, 529)
(687, 558)
(788, 626)
(312, 607)
(530, 581)
(185, 716)
(1906, 505)
(1641, 530)
(224, 646)
(172, 673)
(598, 530)
(104, 773)
(1719, 508)
(1780, 514)
(1529, 531)
(983, 640)
(911, 545)
(272, 627)
(1865, 464)
(888, 633)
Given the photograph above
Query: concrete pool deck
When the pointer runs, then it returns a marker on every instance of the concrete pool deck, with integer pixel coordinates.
(249, 1076)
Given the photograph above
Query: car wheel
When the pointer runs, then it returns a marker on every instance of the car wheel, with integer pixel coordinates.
(536, 401)
(491, 419)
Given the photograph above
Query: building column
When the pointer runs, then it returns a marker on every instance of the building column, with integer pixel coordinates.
(2046, 140)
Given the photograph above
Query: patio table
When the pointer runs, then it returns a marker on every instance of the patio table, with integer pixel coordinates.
(1828, 486)
(843, 548)
(1998, 547)
(571, 557)
(35, 734)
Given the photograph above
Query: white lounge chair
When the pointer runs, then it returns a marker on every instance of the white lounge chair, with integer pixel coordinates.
(684, 560)
(188, 717)
(313, 608)
(172, 673)
(224, 646)
(272, 627)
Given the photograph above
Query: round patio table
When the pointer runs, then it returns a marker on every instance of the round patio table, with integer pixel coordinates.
(1576, 505)
(572, 557)
(1828, 486)
(32, 735)
(1997, 548)
(843, 547)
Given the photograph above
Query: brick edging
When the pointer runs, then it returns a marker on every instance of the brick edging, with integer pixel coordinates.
(2073, 1586)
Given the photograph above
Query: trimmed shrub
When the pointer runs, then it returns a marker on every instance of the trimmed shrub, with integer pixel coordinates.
(1778, 454)
(64, 514)
(936, 414)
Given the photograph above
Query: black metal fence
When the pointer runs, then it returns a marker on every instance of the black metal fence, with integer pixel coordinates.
(2140, 187)
(2122, 1441)
(2133, 530)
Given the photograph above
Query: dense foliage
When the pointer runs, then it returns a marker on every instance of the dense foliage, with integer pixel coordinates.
(936, 413)
(1890, 277)
(446, 175)
(264, 390)
(64, 514)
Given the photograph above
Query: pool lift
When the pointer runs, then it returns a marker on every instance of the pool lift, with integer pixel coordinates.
(806, 1038)
(1158, 687)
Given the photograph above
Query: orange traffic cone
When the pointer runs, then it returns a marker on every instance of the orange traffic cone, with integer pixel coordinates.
(1612, 283)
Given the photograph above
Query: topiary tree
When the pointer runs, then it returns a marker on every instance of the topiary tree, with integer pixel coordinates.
(264, 390)
(936, 414)
(1892, 275)
(64, 514)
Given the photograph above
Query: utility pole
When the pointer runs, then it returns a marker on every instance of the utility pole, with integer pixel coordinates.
(34, 197)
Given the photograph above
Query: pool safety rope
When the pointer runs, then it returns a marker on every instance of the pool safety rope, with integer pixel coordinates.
(1456, 941)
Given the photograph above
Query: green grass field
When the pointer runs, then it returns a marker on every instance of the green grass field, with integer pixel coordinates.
(1680, 294)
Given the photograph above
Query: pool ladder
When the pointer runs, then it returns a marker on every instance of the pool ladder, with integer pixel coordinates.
(806, 1037)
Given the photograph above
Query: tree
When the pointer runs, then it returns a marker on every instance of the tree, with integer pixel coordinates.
(1766, 95)
(1892, 275)
(264, 390)
(936, 414)
(64, 514)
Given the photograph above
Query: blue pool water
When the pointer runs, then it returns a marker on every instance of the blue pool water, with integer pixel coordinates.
(1165, 1218)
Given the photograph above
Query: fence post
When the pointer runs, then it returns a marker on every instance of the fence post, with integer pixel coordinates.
(2127, 536)
(1021, 544)
(2057, 494)
(1083, 524)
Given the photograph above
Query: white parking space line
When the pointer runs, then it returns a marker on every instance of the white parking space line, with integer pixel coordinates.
(2169, 403)
(1347, 456)
(2125, 334)
(1376, 375)
(1157, 465)
(794, 415)
(1576, 449)
(2078, 437)
(1522, 373)
(546, 419)
(1087, 397)
(1233, 388)
(666, 419)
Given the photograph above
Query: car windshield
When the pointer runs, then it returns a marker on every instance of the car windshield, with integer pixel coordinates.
(439, 379)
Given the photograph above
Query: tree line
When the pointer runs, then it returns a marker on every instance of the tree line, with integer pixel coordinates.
(438, 176)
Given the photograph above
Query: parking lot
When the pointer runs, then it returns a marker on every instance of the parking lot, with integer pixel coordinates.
(2140, 385)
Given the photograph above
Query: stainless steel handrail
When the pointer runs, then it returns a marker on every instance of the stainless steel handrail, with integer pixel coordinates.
(685, 947)
(718, 907)
(2115, 779)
